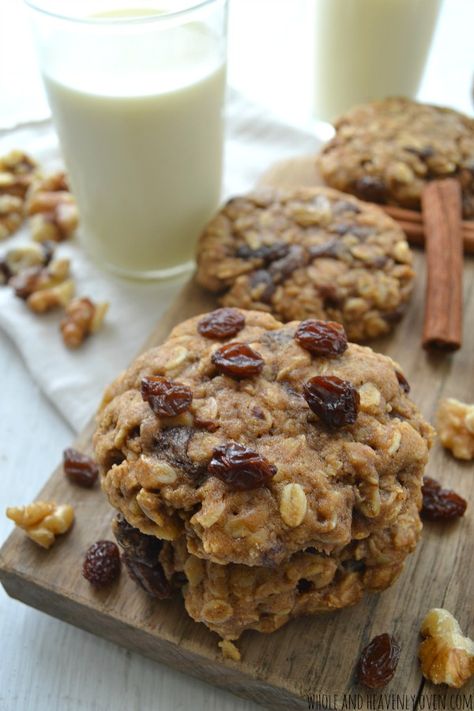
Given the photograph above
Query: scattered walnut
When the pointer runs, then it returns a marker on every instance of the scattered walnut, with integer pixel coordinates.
(25, 256)
(52, 209)
(48, 299)
(54, 182)
(35, 278)
(229, 650)
(455, 426)
(82, 318)
(17, 170)
(18, 163)
(446, 656)
(11, 214)
(42, 521)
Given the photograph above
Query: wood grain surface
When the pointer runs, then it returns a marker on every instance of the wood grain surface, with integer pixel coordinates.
(311, 657)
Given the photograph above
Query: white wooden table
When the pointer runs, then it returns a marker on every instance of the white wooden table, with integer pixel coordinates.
(46, 664)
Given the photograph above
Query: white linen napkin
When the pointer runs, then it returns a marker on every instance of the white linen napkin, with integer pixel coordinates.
(74, 380)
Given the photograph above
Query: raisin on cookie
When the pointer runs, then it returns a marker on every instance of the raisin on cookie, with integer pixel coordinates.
(307, 450)
(309, 252)
(387, 150)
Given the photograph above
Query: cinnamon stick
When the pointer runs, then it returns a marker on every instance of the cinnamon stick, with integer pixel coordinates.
(441, 210)
(402, 213)
(411, 223)
(405, 215)
(415, 235)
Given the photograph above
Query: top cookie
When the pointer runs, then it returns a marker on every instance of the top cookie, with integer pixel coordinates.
(387, 150)
(254, 439)
(309, 252)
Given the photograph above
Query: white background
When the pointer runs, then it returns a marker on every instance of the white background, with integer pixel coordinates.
(46, 664)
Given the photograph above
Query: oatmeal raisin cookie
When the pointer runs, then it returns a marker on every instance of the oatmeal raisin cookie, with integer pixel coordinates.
(387, 150)
(253, 467)
(232, 598)
(309, 252)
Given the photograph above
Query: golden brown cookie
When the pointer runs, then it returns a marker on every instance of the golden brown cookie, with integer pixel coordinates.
(387, 150)
(232, 598)
(309, 252)
(254, 440)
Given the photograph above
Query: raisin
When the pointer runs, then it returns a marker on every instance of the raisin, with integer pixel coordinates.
(371, 188)
(79, 468)
(423, 153)
(333, 248)
(378, 661)
(172, 445)
(394, 316)
(266, 253)
(439, 503)
(136, 544)
(222, 323)
(102, 563)
(283, 268)
(237, 360)
(151, 578)
(325, 338)
(262, 286)
(209, 425)
(333, 400)
(403, 382)
(239, 467)
(166, 398)
(345, 206)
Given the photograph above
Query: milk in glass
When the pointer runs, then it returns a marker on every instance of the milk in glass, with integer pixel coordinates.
(140, 125)
(369, 49)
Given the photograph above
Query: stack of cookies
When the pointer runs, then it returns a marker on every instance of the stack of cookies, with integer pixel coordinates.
(268, 470)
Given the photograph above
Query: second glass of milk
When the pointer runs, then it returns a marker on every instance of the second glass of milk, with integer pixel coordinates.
(369, 49)
(137, 94)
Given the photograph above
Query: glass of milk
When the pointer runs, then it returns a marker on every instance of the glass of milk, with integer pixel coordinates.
(369, 49)
(136, 91)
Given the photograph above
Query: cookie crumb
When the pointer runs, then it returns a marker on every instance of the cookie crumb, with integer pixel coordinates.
(229, 650)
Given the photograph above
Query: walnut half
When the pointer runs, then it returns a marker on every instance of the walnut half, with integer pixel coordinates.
(42, 521)
(52, 209)
(455, 426)
(446, 656)
(82, 317)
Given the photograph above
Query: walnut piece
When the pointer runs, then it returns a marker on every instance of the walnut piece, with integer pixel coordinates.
(11, 214)
(17, 170)
(42, 521)
(446, 656)
(36, 278)
(455, 426)
(48, 299)
(52, 209)
(25, 256)
(82, 318)
(16, 173)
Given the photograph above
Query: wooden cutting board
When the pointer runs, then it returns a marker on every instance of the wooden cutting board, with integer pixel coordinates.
(311, 658)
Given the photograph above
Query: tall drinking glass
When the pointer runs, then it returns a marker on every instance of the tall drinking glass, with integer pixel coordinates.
(369, 49)
(136, 91)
